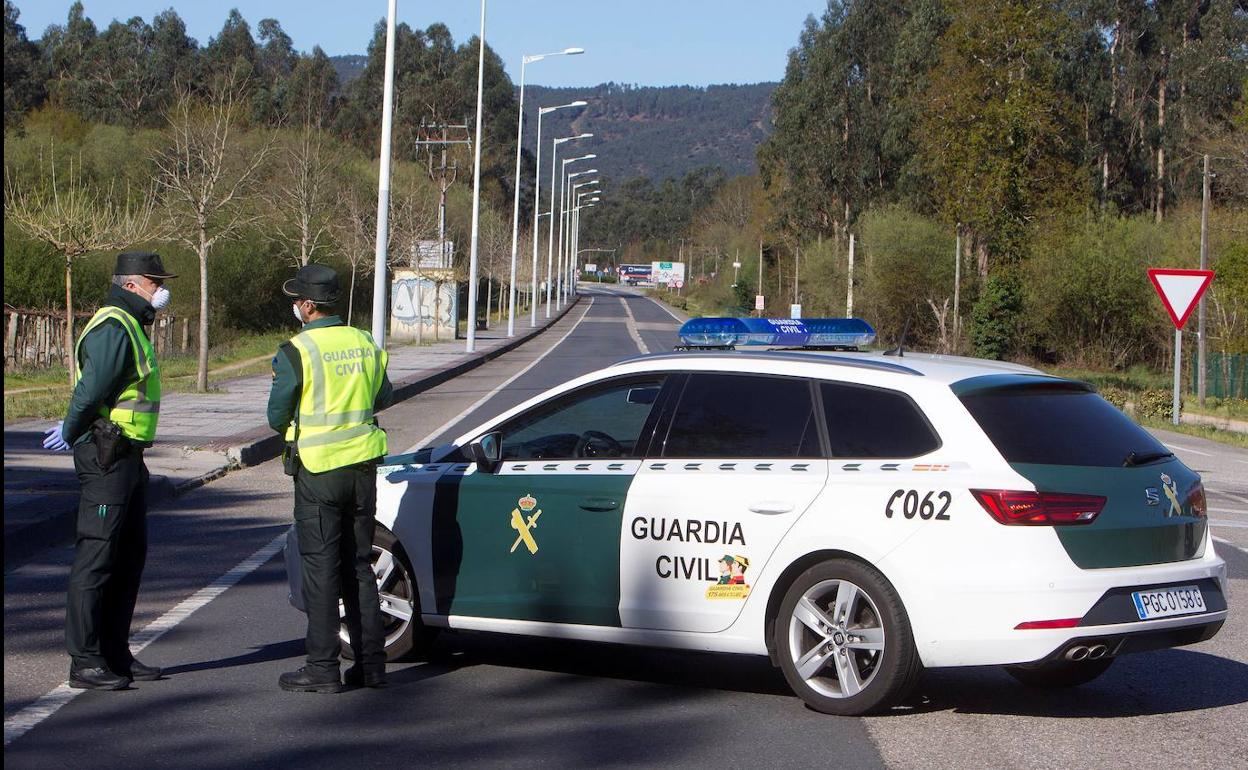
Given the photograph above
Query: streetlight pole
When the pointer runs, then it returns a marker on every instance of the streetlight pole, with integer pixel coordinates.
(537, 188)
(515, 205)
(476, 194)
(383, 186)
(575, 256)
(573, 265)
(565, 240)
(550, 254)
(563, 208)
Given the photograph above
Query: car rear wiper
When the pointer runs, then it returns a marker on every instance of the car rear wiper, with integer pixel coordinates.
(1143, 458)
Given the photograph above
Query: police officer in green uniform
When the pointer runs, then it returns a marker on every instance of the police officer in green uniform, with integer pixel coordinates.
(328, 382)
(111, 420)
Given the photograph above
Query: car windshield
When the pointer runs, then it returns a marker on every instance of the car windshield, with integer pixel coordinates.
(1060, 424)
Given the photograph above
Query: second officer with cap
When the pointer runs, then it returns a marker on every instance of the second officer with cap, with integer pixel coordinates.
(328, 382)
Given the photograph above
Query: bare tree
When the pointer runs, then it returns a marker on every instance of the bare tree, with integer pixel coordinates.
(354, 233)
(208, 179)
(302, 200)
(944, 344)
(413, 218)
(76, 218)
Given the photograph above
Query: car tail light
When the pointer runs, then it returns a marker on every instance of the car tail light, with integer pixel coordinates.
(1039, 508)
(1196, 499)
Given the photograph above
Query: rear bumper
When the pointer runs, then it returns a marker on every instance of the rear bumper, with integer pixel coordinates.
(1119, 643)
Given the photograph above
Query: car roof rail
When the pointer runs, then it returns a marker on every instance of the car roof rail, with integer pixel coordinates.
(783, 355)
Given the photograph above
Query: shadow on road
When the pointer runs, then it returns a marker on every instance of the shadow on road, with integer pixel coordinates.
(1163, 682)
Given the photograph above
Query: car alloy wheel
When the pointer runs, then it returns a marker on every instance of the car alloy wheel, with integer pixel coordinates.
(836, 640)
(842, 638)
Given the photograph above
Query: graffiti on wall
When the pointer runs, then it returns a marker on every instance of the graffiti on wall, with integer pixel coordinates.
(418, 301)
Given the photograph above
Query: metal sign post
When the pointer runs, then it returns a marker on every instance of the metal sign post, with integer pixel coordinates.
(1180, 291)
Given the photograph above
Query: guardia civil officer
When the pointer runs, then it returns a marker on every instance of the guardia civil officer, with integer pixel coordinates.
(111, 420)
(328, 382)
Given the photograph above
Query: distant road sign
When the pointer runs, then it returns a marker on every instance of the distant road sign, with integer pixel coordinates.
(1180, 290)
(679, 284)
(759, 303)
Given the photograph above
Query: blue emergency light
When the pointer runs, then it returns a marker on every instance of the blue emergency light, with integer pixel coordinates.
(789, 332)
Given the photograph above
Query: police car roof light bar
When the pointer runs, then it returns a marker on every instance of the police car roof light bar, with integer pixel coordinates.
(729, 333)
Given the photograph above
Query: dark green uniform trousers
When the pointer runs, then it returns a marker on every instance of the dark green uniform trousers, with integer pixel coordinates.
(334, 523)
(110, 551)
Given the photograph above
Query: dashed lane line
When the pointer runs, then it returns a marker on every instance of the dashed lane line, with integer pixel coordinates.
(477, 404)
(632, 327)
(28, 718)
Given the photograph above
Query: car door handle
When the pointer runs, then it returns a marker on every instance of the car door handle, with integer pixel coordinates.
(771, 506)
(598, 504)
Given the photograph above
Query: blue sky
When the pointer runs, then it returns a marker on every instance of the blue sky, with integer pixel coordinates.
(648, 42)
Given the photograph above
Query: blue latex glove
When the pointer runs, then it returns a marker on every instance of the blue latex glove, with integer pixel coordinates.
(53, 440)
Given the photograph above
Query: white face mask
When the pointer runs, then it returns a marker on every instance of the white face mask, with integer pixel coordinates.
(298, 315)
(160, 297)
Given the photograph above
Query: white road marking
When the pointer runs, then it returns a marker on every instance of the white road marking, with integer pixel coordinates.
(632, 327)
(1226, 510)
(1230, 524)
(1189, 449)
(25, 720)
(1231, 495)
(1229, 544)
(447, 425)
(666, 309)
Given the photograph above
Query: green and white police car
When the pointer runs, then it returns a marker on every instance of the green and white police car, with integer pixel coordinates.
(855, 516)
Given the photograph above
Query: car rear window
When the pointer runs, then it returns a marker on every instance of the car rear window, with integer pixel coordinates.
(741, 415)
(1058, 424)
(875, 423)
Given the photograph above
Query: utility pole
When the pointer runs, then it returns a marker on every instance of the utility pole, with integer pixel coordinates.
(849, 293)
(443, 175)
(1201, 344)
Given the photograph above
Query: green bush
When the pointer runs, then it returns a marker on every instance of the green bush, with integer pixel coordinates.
(994, 318)
(1156, 403)
(1115, 395)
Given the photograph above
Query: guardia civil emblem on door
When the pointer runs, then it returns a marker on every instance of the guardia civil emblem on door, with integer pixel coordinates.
(524, 521)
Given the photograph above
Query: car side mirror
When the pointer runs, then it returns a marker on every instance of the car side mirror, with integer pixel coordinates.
(487, 451)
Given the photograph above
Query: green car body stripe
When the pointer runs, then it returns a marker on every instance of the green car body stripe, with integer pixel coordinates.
(1129, 531)
(483, 565)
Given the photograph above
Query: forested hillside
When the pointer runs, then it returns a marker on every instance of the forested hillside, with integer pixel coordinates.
(653, 132)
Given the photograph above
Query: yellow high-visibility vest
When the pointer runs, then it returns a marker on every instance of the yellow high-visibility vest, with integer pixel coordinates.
(138, 407)
(342, 373)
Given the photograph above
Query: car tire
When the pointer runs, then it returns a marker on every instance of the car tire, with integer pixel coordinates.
(1057, 674)
(405, 638)
(842, 619)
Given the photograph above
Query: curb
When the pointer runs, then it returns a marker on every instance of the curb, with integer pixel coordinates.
(246, 448)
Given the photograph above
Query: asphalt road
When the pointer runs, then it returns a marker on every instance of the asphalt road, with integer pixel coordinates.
(494, 700)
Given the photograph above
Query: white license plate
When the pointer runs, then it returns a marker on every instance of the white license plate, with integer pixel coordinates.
(1164, 602)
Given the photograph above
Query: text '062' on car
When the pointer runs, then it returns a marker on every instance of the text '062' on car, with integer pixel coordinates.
(853, 516)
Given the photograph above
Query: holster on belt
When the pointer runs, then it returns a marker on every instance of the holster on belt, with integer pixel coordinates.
(290, 458)
(110, 443)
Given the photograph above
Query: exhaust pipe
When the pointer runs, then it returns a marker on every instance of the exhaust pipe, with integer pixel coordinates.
(1078, 652)
(1097, 651)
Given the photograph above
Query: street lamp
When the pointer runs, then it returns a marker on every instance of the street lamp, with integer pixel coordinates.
(562, 208)
(565, 221)
(572, 198)
(576, 229)
(383, 185)
(515, 207)
(550, 254)
(537, 186)
(476, 194)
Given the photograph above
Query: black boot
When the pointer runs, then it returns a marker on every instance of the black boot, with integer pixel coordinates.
(357, 676)
(139, 672)
(96, 679)
(308, 681)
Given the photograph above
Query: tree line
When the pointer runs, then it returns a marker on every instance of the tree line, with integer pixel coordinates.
(1060, 145)
(237, 159)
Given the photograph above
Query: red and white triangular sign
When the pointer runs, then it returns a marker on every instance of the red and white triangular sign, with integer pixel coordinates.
(1179, 290)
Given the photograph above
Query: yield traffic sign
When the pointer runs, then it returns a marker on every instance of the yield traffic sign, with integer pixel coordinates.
(1179, 290)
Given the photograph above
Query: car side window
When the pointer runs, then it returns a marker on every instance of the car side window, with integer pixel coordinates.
(743, 415)
(595, 422)
(873, 423)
